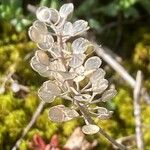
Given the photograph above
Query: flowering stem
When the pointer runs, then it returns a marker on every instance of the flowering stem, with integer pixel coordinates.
(101, 131)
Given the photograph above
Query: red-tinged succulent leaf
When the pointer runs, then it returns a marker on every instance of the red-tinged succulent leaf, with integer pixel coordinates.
(37, 143)
(54, 141)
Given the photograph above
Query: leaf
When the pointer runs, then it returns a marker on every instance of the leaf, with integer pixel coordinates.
(77, 60)
(109, 94)
(43, 14)
(48, 91)
(92, 63)
(90, 129)
(79, 26)
(66, 10)
(79, 46)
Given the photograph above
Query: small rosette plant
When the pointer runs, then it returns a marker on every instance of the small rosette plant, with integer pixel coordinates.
(73, 73)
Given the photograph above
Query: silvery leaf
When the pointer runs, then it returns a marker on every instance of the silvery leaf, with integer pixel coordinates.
(100, 86)
(90, 129)
(66, 10)
(40, 26)
(54, 16)
(43, 14)
(35, 35)
(42, 57)
(80, 26)
(67, 30)
(56, 113)
(92, 63)
(77, 60)
(79, 46)
(97, 75)
(48, 91)
(109, 94)
(47, 42)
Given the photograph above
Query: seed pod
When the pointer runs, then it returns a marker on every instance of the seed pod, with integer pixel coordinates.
(108, 95)
(90, 129)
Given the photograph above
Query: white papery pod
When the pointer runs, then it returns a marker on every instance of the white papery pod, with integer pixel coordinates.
(92, 63)
(15, 87)
(108, 95)
(55, 51)
(97, 75)
(36, 65)
(47, 42)
(80, 45)
(77, 60)
(56, 113)
(55, 17)
(40, 26)
(60, 113)
(35, 35)
(80, 26)
(42, 57)
(67, 75)
(67, 29)
(90, 129)
(43, 14)
(48, 91)
(100, 86)
(66, 10)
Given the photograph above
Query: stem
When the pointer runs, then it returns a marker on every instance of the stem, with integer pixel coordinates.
(101, 131)
(137, 111)
(28, 127)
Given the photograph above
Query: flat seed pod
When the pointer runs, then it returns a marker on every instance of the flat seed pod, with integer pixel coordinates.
(48, 91)
(47, 42)
(35, 35)
(66, 10)
(67, 75)
(77, 60)
(79, 46)
(108, 95)
(56, 113)
(40, 26)
(36, 65)
(67, 30)
(42, 57)
(97, 75)
(55, 51)
(79, 26)
(80, 70)
(105, 116)
(100, 86)
(54, 16)
(70, 113)
(43, 14)
(83, 97)
(90, 129)
(92, 63)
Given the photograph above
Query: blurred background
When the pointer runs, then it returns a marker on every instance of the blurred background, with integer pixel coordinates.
(123, 26)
